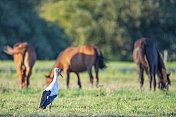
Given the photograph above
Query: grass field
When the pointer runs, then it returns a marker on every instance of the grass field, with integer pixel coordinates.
(117, 95)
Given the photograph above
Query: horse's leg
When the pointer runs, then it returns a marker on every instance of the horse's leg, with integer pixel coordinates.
(151, 73)
(154, 81)
(147, 72)
(78, 79)
(23, 72)
(28, 74)
(96, 72)
(159, 81)
(154, 78)
(20, 77)
(89, 69)
(140, 71)
(67, 73)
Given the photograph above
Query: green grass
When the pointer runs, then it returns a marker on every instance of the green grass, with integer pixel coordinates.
(118, 94)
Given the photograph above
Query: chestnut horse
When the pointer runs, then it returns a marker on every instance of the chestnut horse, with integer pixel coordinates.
(24, 58)
(77, 60)
(147, 58)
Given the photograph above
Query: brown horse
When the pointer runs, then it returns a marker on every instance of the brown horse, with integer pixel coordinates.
(147, 58)
(24, 58)
(78, 60)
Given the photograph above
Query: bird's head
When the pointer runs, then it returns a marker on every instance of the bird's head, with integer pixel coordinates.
(56, 70)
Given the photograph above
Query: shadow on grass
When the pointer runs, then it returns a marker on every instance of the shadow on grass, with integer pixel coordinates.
(83, 115)
(70, 115)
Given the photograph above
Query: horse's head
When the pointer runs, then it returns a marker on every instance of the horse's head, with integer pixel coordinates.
(49, 78)
(165, 83)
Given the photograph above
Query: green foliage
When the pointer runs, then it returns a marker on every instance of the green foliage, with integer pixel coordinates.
(20, 23)
(118, 94)
(114, 25)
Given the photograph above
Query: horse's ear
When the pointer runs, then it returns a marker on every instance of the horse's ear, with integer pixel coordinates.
(60, 68)
(168, 74)
(46, 76)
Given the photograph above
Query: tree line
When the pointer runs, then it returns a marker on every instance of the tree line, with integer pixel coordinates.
(19, 22)
(113, 25)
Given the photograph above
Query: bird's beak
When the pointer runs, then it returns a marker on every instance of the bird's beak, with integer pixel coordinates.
(60, 74)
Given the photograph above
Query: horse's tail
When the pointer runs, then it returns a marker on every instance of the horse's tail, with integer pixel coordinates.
(142, 56)
(12, 51)
(100, 58)
(20, 49)
(160, 61)
(162, 68)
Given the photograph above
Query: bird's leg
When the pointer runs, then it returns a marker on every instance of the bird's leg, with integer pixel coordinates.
(50, 107)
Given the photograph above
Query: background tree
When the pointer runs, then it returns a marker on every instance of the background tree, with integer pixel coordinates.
(20, 23)
(113, 25)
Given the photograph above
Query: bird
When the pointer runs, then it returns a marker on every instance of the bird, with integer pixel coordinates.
(50, 93)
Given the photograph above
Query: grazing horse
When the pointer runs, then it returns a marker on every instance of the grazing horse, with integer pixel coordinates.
(77, 60)
(147, 58)
(24, 58)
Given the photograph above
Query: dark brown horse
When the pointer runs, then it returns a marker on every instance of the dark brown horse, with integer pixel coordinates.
(78, 60)
(147, 58)
(24, 58)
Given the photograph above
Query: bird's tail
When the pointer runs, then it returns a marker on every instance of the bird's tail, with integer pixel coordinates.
(43, 102)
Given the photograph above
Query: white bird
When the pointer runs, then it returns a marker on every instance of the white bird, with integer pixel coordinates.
(50, 93)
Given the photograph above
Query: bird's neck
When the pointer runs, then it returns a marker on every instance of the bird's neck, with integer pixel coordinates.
(55, 77)
(58, 65)
(54, 82)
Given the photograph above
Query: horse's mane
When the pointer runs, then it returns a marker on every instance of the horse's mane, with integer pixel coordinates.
(160, 61)
(59, 55)
(51, 72)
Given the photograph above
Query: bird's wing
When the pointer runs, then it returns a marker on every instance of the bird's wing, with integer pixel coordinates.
(43, 102)
(51, 98)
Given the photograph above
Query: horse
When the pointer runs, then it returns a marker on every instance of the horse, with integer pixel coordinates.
(24, 57)
(147, 57)
(79, 59)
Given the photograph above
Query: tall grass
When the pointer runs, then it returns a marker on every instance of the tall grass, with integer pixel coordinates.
(118, 93)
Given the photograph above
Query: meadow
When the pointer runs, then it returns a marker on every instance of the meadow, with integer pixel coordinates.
(118, 93)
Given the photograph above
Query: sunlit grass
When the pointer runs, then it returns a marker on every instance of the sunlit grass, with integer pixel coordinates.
(117, 95)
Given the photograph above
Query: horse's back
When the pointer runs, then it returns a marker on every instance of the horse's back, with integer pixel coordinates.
(87, 49)
(84, 58)
(88, 53)
(138, 50)
(66, 56)
(78, 58)
(70, 58)
(28, 55)
(145, 51)
(150, 52)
